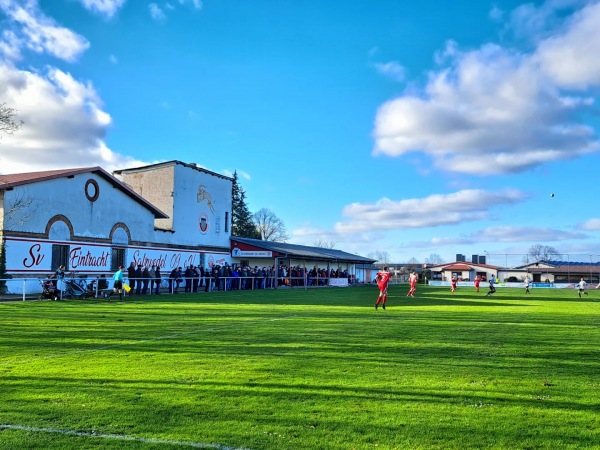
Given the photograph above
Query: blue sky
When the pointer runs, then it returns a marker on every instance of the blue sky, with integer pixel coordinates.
(412, 128)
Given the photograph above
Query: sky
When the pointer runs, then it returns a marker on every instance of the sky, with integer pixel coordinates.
(411, 129)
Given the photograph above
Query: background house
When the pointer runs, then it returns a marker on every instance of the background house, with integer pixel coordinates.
(463, 271)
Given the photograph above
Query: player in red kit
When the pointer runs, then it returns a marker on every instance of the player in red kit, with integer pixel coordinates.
(382, 278)
(453, 284)
(413, 278)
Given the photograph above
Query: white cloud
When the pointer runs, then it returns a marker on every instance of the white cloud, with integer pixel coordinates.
(591, 224)
(113, 59)
(241, 174)
(569, 58)
(496, 13)
(10, 45)
(392, 70)
(106, 8)
(534, 23)
(64, 123)
(307, 235)
(31, 29)
(196, 3)
(156, 13)
(501, 234)
(435, 210)
(498, 111)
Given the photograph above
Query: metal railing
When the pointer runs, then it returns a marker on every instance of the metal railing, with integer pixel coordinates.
(91, 287)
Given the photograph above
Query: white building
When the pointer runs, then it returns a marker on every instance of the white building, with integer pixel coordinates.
(170, 214)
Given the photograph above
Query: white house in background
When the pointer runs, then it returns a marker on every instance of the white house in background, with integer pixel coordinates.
(463, 271)
(92, 222)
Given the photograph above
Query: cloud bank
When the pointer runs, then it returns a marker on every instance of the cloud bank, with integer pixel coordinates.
(495, 110)
(432, 211)
(64, 121)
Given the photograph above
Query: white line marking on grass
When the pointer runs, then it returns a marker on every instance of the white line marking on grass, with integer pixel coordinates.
(143, 341)
(122, 437)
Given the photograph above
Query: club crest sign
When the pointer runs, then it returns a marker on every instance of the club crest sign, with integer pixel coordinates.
(203, 223)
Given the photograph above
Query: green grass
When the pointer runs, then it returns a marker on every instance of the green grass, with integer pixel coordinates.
(296, 369)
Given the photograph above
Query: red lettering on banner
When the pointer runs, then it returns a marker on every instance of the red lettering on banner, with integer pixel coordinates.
(191, 259)
(175, 260)
(145, 261)
(35, 257)
(78, 259)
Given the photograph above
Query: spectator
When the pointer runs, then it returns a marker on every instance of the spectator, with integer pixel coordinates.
(137, 274)
(151, 278)
(145, 280)
(102, 283)
(131, 277)
(175, 279)
(195, 278)
(58, 275)
(157, 280)
(207, 280)
(188, 278)
(216, 277)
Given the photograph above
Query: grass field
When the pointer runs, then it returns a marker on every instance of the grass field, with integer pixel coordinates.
(296, 369)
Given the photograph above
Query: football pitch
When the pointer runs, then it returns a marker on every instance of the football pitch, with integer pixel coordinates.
(303, 369)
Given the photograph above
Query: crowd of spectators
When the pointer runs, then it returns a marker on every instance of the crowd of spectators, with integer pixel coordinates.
(191, 279)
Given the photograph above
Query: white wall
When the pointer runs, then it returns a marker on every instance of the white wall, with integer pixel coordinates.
(201, 221)
(66, 196)
(198, 219)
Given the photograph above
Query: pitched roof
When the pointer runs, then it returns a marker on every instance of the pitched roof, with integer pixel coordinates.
(303, 251)
(461, 265)
(458, 267)
(170, 163)
(19, 179)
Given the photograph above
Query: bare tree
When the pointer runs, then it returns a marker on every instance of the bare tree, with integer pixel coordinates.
(19, 211)
(413, 260)
(7, 123)
(381, 257)
(434, 259)
(540, 252)
(270, 227)
(322, 243)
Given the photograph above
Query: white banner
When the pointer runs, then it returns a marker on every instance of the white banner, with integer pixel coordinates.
(36, 256)
(237, 253)
(24, 255)
(338, 282)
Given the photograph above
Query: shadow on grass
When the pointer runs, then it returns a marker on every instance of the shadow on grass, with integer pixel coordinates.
(271, 392)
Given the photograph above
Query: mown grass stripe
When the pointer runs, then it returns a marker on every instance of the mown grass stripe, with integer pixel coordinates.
(142, 341)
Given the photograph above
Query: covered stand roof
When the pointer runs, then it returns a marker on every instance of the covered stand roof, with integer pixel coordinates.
(282, 249)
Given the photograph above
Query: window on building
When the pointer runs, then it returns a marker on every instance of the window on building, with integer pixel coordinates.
(226, 221)
(118, 258)
(60, 256)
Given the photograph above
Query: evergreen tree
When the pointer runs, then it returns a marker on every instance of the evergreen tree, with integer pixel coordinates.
(2, 267)
(242, 224)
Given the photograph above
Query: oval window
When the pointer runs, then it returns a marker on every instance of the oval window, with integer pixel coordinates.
(92, 190)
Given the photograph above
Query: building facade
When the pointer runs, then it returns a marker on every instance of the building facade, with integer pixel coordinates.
(92, 222)
(169, 215)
